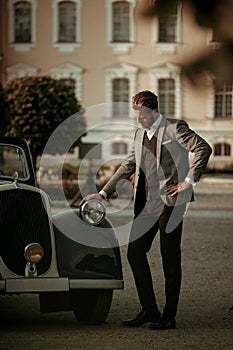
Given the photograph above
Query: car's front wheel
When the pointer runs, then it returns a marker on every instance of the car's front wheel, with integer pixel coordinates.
(91, 306)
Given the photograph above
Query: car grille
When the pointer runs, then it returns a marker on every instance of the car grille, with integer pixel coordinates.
(23, 220)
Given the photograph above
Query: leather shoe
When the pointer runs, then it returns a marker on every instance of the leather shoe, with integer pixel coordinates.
(164, 324)
(140, 319)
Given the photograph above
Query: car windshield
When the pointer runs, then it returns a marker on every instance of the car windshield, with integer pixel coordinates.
(12, 162)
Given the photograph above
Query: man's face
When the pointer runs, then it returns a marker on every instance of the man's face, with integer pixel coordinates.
(144, 116)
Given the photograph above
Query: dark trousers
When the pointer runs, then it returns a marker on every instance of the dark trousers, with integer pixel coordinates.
(144, 229)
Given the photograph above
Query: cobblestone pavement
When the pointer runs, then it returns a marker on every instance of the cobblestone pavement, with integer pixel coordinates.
(204, 319)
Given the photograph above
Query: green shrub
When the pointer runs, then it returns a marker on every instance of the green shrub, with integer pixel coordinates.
(5, 111)
(39, 105)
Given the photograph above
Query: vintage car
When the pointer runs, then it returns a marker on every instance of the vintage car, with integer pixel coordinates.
(37, 257)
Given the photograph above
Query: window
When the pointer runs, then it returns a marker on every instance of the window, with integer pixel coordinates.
(22, 12)
(222, 149)
(168, 26)
(22, 24)
(223, 100)
(71, 74)
(67, 21)
(120, 91)
(168, 29)
(119, 148)
(120, 25)
(120, 15)
(166, 96)
(167, 85)
(67, 24)
(120, 85)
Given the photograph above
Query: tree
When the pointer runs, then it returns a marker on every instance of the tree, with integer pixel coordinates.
(39, 105)
(213, 14)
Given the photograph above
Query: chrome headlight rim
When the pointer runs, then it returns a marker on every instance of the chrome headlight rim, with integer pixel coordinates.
(93, 212)
(33, 253)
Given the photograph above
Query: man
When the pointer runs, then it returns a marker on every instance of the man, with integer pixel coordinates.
(163, 185)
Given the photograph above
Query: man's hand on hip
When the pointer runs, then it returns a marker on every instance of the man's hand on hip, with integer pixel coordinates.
(173, 190)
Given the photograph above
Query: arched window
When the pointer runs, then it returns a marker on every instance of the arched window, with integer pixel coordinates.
(120, 21)
(120, 25)
(168, 29)
(67, 21)
(67, 25)
(22, 20)
(222, 149)
(168, 26)
(120, 91)
(167, 97)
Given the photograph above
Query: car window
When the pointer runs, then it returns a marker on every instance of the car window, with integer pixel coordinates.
(12, 162)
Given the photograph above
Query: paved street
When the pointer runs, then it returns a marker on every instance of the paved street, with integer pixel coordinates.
(204, 320)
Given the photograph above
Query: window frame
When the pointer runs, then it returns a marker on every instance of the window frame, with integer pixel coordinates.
(168, 47)
(22, 46)
(223, 106)
(169, 71)
(120, 110)
(66, 46)
(121, 70)
(120, 23)
(60, 22)
(225, 149)
(167, 92)
(19, 38)
(69, 71)
(120, 47)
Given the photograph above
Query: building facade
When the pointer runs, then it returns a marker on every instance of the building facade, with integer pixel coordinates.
(108, 51)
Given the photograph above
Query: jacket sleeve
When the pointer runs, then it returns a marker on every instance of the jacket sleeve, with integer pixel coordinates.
(197, 145)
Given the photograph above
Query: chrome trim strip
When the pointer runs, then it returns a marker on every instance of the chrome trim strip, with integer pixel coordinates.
(96, 284)
(36, 285)
(39, 284)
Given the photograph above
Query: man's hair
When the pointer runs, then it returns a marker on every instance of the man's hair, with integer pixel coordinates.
(146, 98)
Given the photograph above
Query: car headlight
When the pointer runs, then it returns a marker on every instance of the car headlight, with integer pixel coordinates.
(33, 252)
(93, 212)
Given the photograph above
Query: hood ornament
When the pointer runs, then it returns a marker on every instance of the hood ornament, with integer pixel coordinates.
(16, 176)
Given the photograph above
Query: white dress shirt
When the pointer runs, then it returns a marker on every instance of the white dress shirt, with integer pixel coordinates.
(150, 132)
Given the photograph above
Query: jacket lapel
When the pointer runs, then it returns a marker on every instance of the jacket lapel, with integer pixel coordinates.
(160, 134)
(138, 145)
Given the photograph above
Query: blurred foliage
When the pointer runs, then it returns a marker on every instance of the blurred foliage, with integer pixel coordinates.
(206, 12)
(39, 105)
(213, 14)
(4, 111)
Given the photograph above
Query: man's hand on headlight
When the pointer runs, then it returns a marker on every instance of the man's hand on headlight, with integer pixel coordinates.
(91, 196)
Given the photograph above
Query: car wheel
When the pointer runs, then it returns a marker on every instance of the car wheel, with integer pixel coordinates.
(91, 306)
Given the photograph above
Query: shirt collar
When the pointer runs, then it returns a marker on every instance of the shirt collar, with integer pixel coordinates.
(154, 126)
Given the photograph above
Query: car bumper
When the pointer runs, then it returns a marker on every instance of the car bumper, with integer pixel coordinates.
(37, 285)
